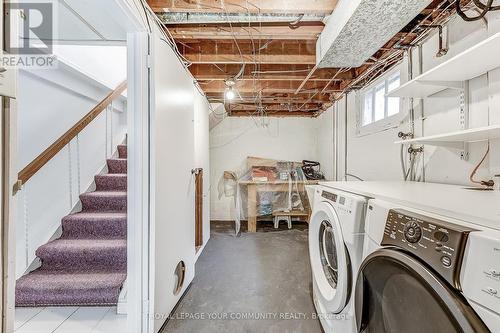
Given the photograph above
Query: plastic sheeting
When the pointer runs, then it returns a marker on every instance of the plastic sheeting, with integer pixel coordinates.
(266, 188)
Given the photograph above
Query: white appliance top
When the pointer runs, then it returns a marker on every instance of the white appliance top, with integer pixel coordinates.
(477, 207)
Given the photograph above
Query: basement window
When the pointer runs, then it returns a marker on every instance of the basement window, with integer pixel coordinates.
(376, 105)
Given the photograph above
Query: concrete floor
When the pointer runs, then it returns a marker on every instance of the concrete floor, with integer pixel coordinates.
(266, 274)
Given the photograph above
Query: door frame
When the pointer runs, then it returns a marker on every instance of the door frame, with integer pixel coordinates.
(138, 228)
(8, 204)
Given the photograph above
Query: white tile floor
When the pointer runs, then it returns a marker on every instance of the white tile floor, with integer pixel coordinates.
(69, 320)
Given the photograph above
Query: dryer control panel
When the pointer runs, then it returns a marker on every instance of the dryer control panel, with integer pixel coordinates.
(438, 243)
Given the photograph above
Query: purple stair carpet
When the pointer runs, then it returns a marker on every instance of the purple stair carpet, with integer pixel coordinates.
(87, 265)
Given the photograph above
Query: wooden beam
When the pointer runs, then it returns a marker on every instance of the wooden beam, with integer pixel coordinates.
(279, 87)
(252, 98)
(267, 77)
(280, 114)
(247, 59)
(272, 52)
(244, 6)
(268, 72)
(279, 32)
(276, 106)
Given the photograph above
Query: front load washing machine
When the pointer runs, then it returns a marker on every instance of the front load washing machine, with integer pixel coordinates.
(336, 233)
(427, 273)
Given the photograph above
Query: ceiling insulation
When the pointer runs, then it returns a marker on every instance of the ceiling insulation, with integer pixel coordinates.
(359, 28)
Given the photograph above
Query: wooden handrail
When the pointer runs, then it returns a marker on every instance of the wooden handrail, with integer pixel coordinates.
(42, 159)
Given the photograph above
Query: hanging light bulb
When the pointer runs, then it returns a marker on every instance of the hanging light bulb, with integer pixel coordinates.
(230, 94)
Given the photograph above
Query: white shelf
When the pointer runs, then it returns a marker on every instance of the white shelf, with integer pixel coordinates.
(473, 62)
(457, 139)
(422, 89)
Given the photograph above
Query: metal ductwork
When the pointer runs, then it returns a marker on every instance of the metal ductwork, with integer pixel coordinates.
(357, 29)
(207, 18)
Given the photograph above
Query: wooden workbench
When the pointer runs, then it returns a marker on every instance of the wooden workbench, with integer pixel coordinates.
(254, 187)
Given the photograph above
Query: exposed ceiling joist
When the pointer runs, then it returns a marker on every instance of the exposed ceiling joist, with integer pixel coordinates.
(249, 97)
(271, 32)
(248, 59)
(279, 114)
(218, 36)
(271, 72)
(250, 52)
(281, 87)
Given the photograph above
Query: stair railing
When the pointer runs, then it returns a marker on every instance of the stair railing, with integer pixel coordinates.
(32, 168)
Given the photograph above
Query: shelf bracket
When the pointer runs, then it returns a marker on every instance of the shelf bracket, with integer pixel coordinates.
(464, 117)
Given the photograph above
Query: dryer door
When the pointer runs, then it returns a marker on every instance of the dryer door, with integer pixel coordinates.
(329, 258)
(395, 292)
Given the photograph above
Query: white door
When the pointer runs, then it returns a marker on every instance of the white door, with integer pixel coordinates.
(332, 272)
(172, 184)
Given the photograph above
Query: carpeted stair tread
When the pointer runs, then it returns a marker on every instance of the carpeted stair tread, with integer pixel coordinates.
(122, 151)
(79, 254)
(104, 201)
(87, 265)
(46, 288)
(111, 182)
(88, 225)
(117, 165)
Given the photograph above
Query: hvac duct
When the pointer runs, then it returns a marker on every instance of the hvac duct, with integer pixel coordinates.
(359, 28)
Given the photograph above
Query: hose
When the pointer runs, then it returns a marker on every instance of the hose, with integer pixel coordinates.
(473, 173)
(403, 166)
(482, 6)
(485, 9)
(410, 169)
(353, 176)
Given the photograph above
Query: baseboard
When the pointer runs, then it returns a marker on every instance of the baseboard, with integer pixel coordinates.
(200, 251)
(122, 306)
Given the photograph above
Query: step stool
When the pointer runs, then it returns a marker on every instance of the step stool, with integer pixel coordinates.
(279, 218)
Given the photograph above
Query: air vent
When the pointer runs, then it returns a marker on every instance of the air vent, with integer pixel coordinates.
(359, 28)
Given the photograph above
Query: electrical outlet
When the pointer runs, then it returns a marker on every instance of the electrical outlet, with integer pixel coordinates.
(464, 155)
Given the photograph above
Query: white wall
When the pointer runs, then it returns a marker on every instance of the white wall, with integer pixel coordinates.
(376, 157)
(235, 138)
(105, 64)
(325, 145)
(49, 103)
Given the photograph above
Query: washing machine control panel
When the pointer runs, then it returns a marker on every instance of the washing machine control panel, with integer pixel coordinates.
(438, 243)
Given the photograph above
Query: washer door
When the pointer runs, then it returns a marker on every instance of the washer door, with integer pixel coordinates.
(395, 292)
(329, 258)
